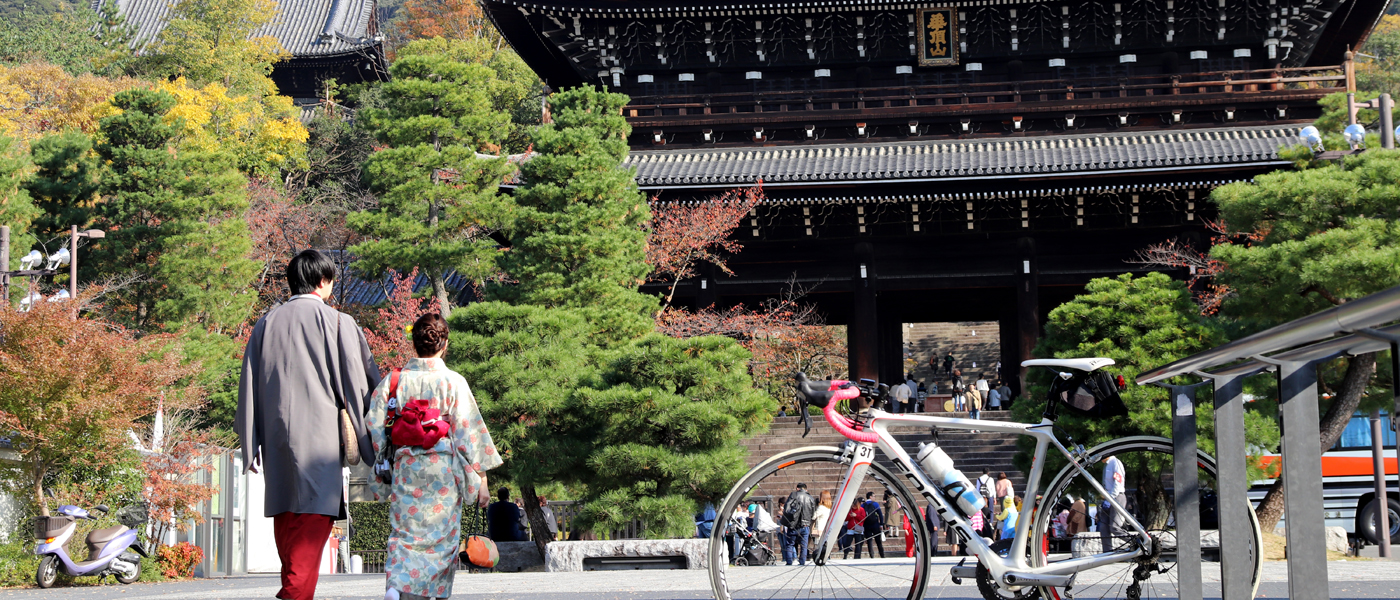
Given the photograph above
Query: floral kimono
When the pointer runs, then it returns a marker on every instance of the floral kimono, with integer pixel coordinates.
(430, 484)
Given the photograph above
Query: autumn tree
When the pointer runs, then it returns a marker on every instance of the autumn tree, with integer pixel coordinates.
(70, 390)
(388, 337)
(685, 234)
(438, 199)
(264, 135)
(207, 41)
(174, 219)
(38, 99)
(174, 460)
(449, 19)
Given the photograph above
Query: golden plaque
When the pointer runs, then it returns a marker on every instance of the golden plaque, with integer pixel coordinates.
(938, 36)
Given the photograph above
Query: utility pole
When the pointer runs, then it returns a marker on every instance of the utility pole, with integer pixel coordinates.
(5, 264)
(1378, 463)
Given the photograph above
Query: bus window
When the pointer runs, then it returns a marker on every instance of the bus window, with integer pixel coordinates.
(1357, 435)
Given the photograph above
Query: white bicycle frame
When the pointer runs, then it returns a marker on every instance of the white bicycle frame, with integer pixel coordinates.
(862, 454)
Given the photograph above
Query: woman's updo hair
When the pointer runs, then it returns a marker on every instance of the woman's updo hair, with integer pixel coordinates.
(429, 335)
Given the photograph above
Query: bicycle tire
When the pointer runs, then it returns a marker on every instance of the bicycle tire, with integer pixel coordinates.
(718, 551)
(1042, 523)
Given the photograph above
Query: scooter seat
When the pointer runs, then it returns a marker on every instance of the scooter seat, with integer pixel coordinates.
(99, 536)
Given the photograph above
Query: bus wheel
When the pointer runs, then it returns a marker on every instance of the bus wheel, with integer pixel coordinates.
(1369, 525)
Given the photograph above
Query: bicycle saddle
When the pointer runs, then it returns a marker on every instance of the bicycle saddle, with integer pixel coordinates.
(1088, 365)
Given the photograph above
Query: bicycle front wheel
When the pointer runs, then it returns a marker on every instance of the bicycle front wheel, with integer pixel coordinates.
(1147, 462)
(748, 563)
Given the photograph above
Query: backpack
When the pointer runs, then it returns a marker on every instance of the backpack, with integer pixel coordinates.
(792, 513)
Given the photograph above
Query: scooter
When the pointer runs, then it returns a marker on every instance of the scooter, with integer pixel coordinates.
(110, 550)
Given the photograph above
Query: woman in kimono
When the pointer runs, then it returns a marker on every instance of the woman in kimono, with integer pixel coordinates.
(430, 484)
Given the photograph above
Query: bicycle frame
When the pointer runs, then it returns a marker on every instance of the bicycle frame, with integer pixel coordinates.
(862, 454)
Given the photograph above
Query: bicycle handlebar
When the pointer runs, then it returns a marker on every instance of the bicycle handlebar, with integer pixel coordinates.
(827, 394)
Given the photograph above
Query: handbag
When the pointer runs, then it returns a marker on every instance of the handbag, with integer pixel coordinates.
(478, 549)
(349, 442)
(384, 465)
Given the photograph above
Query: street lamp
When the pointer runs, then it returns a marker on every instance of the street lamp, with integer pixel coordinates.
(1355, 135)
(92, 234)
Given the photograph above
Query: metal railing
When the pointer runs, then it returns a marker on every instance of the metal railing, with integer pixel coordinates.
(1293, 351)
(1249, 85)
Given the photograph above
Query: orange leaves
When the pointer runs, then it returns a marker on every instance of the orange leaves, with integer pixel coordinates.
(388, 339)
(451, 19)
(685, 233)
(70, 390)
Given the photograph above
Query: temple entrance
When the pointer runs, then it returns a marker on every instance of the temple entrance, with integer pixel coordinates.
(974, 345)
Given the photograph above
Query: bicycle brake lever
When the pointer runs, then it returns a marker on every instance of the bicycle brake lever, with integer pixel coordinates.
(806, 420)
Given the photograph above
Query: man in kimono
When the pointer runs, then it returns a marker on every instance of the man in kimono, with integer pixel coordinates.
(304, 362)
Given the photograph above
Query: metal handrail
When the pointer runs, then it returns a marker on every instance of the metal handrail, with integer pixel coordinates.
(1375, 310)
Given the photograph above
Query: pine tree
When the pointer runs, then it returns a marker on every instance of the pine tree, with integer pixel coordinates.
(575, 384)
(438, 199)
(64, 184)
(174, 220)
(578, 238)
(16, 209)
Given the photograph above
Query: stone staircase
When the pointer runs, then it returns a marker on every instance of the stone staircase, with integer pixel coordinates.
(971, 452)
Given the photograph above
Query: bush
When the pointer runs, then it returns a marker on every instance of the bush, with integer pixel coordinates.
(179, 561)
(151, 571)
(17, 562)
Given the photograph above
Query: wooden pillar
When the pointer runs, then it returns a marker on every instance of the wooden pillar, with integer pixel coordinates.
(705, 295)
(1010, 347)
(891, 348)
(863, 332)
(1027, 306)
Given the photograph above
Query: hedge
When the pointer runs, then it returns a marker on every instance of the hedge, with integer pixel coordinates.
(370, 524)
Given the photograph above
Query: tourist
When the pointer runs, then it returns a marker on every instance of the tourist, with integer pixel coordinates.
(959, 391)
(874, 524)
(948, 363)
(994, 399)
(1007, 518)
(982, 388)
(998, 370)
(552, 524)
(932, 523)
(503, 519)
(1111, 520)
(304, 362)
(1005, 391)
(822, 515)
(1004, 488)
(974, 404)
(913, 390)
(797, 525)
(854, 529)
(440, 451)
(899, 395)
(922, 400)
(978, 524)
(1078, 518)
(987, 488)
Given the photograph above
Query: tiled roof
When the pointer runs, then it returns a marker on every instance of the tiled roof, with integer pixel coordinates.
(1062, 155)
(303, 27)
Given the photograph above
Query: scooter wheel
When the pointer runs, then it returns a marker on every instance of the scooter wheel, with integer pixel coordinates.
(47, 573)
(135, 575)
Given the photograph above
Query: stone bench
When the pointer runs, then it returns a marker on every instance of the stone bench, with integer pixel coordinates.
(570, 556)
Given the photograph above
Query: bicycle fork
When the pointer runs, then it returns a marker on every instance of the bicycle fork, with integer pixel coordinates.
(859, 456)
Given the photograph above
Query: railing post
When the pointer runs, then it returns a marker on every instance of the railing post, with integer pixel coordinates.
(1232, 487)
(1186, 490)
(1302, 480)
(1378, 467)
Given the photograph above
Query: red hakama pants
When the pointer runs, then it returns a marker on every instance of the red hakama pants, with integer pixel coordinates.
(301, 539)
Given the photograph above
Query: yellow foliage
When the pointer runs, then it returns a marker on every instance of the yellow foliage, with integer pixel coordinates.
(38, 98)
(264, 134)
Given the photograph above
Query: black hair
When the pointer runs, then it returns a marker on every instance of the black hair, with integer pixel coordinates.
(429, 335)
(869, 495)
(503, 494)
(801, 486)
(307, 270)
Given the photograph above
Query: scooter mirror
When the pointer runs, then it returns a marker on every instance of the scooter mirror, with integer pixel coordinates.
(102, 507)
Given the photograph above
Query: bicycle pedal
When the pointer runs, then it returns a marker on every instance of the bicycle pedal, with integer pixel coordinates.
(959, 571)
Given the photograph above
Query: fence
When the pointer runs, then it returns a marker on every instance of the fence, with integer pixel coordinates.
(1294, 352)
(1266, 84)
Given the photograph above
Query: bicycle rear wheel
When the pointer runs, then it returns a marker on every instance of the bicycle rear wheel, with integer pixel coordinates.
(893, 574)
(1148, 465)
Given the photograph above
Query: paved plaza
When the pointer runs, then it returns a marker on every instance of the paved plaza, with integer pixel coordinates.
(1350, 579)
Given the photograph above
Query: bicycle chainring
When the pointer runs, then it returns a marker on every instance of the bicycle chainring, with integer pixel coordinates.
(991, 590)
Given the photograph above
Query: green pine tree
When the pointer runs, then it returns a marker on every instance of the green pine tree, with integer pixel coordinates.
(65, 182)
(16, 209)
(1319, 237)
(438, 199)
(174, 221)
(574, 383)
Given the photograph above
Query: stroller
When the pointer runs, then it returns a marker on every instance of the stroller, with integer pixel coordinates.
(752, 551)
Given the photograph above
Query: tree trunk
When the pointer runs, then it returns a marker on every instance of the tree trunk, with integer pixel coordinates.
(440, 291)
(538, 528)
(39, 472)
(1358, 374)
(1152, 502)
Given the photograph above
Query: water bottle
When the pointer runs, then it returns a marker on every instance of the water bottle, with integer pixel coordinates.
(939, 467)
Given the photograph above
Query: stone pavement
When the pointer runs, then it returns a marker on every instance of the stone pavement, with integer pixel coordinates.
(1349, 579)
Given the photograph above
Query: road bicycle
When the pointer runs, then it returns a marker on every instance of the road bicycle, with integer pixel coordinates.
(1139, 560)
